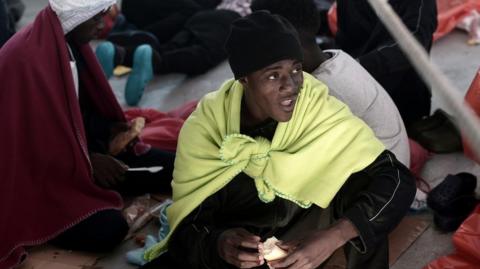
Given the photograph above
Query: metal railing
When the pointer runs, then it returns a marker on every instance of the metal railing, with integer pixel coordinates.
(464, 116)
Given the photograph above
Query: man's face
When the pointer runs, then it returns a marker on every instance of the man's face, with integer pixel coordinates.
(88, 30)
(272, 91)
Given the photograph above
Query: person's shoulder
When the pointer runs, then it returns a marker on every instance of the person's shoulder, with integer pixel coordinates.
(220, 93)
(340, 55)
(212, 102)
(347, 68)
(338, 59)
(339, 68)
(313, 85)
(15, 50)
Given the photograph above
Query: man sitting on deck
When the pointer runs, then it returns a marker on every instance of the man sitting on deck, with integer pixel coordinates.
(272, 154)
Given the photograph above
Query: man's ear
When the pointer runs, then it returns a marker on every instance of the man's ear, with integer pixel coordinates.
(243, 81)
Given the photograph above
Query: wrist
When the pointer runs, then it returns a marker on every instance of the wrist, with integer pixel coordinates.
(345, 231)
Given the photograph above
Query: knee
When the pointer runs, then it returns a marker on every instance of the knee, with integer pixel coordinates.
(112, 234)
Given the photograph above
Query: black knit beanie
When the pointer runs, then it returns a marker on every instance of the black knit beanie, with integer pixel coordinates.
(259, 40)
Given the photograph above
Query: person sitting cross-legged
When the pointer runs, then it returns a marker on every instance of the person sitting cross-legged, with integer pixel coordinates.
(66, 145)
(272, 154)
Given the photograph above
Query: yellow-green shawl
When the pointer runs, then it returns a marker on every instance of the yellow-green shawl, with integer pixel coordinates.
(308, 160)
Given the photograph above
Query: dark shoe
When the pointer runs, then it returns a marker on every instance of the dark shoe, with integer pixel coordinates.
(437, 133)
(134, 38)
(453, 200)
(142, 73)
(454, 196)
(105, 53)
(448, 223)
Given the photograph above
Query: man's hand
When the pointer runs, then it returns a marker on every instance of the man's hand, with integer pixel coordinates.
(240, 248)
(107, 171)
(119, 127)
(315, 248)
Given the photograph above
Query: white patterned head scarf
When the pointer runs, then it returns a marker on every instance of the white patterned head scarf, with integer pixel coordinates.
(242, 7)
(72, 13)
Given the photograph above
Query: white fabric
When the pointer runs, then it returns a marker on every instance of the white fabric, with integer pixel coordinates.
(73, 66)
(348, 81)
(74, 69)
(242, 7)
(72, 13)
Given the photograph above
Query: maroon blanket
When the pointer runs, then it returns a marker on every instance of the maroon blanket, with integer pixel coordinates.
(46, 183)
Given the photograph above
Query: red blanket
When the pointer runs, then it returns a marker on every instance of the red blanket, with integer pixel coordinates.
(473, 99)
(46, 183)
(467, 243)
(162, 129)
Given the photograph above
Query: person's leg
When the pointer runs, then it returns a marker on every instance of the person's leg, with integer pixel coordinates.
(6, 27)
(123, 55)
(110, 55)
(184, 53)
(167, 28)
(304, 221)
(192, 60)
(98, 233)
(200, 46)
(137, 183)
(376, 257)
(163, 18)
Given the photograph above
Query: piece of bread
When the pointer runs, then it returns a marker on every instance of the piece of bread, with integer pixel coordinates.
(121, 71)
(137, 126)
(121, 140)
(271, 251)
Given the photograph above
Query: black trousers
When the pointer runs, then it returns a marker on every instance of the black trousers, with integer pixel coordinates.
(374, 199)
(106, 229)
(376, 258)
(199, 46)
(100, 232)
(162, 18)
(7, 27)
(193, 49)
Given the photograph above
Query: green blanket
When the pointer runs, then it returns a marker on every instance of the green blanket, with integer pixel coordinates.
(307, 162)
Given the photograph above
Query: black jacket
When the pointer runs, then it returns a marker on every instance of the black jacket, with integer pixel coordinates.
(362, 35)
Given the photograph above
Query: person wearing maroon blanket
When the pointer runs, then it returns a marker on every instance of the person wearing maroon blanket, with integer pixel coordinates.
(60, 181)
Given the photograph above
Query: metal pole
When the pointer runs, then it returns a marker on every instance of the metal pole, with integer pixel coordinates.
(465, 118)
